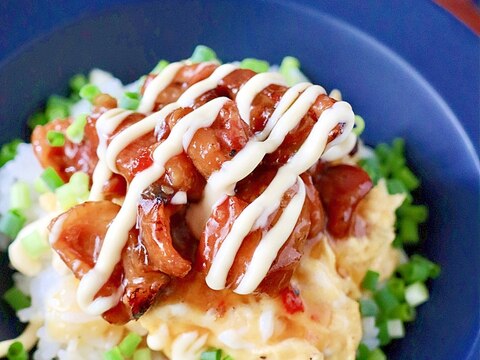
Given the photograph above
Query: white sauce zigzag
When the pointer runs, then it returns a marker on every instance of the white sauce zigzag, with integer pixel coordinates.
(293, 106)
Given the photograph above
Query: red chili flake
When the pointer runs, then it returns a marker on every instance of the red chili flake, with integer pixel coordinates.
(291, 300)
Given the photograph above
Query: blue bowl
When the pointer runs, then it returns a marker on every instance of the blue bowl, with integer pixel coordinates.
(409, 68)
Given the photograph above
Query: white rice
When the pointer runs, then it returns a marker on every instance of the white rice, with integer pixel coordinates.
(25, 167)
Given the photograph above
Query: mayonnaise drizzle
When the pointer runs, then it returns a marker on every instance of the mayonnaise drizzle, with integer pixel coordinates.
(157, 86)
(223, 182)
(106, 125)
(255, 85)
(272, 241)
(293, 106)
(117, 234)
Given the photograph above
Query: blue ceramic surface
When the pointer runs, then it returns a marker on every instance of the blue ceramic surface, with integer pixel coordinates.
(409, 68)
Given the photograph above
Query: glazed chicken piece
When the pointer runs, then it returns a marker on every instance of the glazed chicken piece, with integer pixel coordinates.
(78, 243)
(160, 247)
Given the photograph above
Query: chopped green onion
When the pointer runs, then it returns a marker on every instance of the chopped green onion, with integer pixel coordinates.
(74, 192)
(39, 118)
(433, 269)
(40, 186)
(376, 354)
(362, 352)
(77, 82)
(397, 242)
(408, 178)
(16, 351)
(66, 197)
(55, 138)
(57, 108)
(51, 178)
(203, 53)
(395, 164)
(142, 354)
(130, 100)
(383, 152)
(20, 196)
(162, 64)
(290, 70)
(76, 130)
(397, 287)
(12, 222)
(416, 294)
(129, 344)
(395, 328)
(408, 231)
(398, 147)
(113, 354)
(359, 125)
(418, 213)
(395, 186)
(414, 271)
(8, 151)
(259, 66)
(386, 300)
(383, 335)
(211, 354)
(403, 312)
(80, 182)
(35, 244)
(89, 92)
(368, 307)
(372, 167)
(16, 299)
(56, 113)
(74, 97)
(370, 280)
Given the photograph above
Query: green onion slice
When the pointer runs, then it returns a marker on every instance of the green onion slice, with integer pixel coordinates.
(416, 294)
(211, 354)
(55, 138)
(142, 354)
(129, 344)
(376, 354)
(89, 92)
(130, 100)
(395, 328)
(16, 351)
(370, 280)
(259, 66)
(12, 222)
(386, 299)
(368, 307)
(20, 196)
(162, 64)
(77, 82)
(203, 53)
(35, 244)
(8, 151)
(39, 118)
(290, 69)
(113, 354)
(359, 125)
(57, 108)
(76, 131)
(16, 299)
(51, 178)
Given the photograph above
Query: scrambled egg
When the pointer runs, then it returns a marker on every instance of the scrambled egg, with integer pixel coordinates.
(327, 278)
(374, 251)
